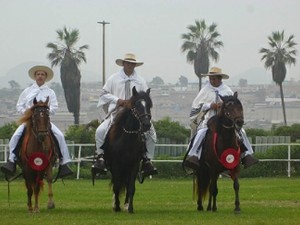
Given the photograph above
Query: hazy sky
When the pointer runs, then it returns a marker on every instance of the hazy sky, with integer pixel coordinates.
(149, 28)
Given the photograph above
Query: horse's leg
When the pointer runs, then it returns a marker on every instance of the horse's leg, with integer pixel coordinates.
(236, 187)
(116, 190)
(29, 194)
(210, 196)
(126, 204)
(51, 204)
(36, 191)
(201, 193)
(214, 194)
(116, 200)
(130, 190)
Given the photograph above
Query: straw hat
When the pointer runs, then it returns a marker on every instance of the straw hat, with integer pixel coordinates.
(46, 69)
(215, 71)
(129, 57)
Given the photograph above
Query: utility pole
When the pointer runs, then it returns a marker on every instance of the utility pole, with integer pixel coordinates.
(103, 52)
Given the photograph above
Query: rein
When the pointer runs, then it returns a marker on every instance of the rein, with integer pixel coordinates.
(138, 117)
(232, 120)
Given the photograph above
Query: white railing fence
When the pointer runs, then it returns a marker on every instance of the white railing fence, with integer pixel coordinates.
(78, 159)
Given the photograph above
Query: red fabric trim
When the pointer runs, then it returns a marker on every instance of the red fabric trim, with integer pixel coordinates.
(230, 156)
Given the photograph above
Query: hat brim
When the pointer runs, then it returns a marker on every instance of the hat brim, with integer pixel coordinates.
(119, 62)
(48, 70)
(223, 75)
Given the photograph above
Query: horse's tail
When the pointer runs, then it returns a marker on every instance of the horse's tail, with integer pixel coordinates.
(121, 186)
(202, 182)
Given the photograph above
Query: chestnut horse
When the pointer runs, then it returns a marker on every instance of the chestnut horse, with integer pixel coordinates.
(38, 153)
(124, 146)
(221, 152)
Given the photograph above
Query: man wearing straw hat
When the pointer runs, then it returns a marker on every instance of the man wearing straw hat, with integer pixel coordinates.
(206, 105)
(115, 92)
(39, 90)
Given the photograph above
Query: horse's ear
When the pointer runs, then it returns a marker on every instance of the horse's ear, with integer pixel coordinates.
(47, 100)
(134, 92)
(235, 94)
(148, 91)
(34, 101)
(221, 97)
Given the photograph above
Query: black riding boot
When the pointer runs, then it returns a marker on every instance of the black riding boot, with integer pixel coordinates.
(249, 160)
(9, 168)
(64, 170)
(99, 166)
(147, 167)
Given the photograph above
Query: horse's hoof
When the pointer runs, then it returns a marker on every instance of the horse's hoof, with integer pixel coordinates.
(117, 209)
(200, 208)
(36, 210)
(237, 211)
(130, 211)
(126, 206)
(51, 205)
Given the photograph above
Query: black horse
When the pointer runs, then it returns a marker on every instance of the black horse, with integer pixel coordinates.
(124, 146)
(221, 152)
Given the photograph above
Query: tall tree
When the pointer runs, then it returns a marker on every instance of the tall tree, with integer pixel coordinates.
(201, 43)
(282, 52)
(14, 84)
(183, 81)
(69, 58)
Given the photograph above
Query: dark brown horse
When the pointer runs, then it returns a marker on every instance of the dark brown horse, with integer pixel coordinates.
(125, 145)
(221, 152)
(38, 153)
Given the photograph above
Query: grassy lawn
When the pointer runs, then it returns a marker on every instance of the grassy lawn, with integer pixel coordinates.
(169, 202)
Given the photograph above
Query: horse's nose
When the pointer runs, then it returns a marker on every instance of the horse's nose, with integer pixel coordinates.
(240, 122)
(146, 125)
(41, 137)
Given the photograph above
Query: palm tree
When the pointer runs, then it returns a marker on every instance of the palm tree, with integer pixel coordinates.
(281, 53)
(68, 57)
(201, 43)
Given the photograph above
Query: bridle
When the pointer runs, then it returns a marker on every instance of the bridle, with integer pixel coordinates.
(234, 122)
(42, 112)
(139, 119)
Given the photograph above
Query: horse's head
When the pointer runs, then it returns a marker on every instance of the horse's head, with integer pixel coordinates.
(141, 104)
(232, 110)
(40, 118)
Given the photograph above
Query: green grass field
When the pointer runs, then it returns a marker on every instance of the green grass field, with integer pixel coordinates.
(264, 201)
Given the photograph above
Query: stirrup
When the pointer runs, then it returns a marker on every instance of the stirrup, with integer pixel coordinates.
(99, 166)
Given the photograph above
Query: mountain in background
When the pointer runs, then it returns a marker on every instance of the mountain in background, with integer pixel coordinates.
(19, 74)
(253, 76)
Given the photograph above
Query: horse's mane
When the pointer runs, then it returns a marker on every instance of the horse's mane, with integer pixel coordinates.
(215, 122)
(26, 118)
(123, 111)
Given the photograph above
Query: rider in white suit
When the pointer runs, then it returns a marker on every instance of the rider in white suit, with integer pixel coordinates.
(40, 91)
(116, 91)
(205, 105)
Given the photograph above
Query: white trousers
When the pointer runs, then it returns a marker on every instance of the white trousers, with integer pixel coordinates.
(196, 149)
(103, 128)
(57, 133)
